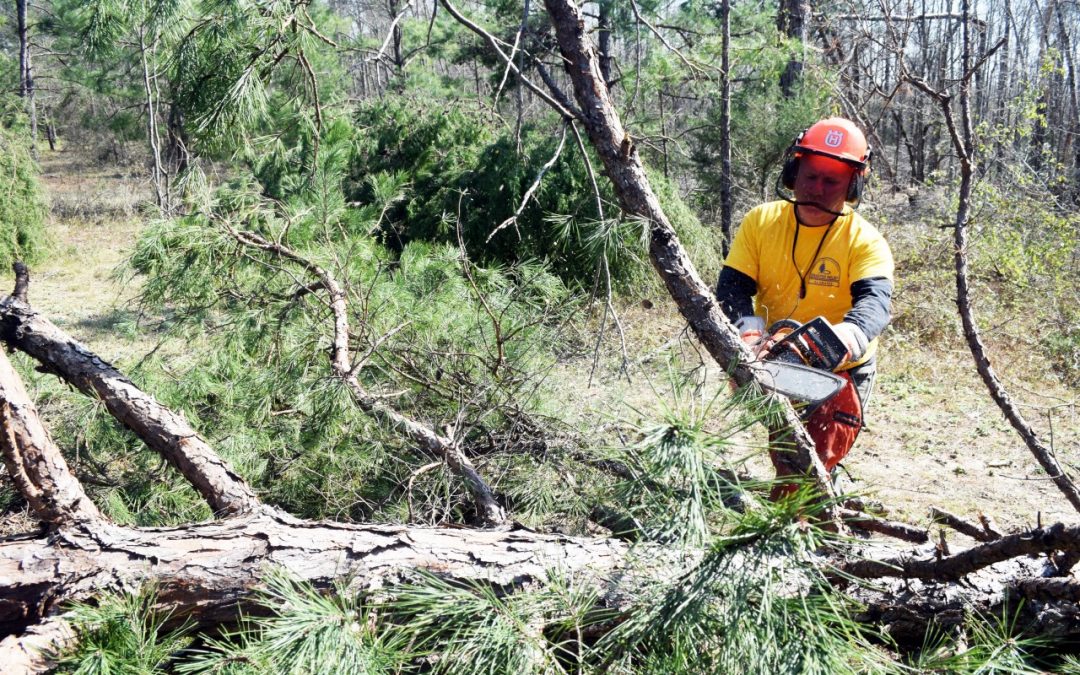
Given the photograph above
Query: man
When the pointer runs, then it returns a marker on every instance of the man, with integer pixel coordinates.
(813, 255)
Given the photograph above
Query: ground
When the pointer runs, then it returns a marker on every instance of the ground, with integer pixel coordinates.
(934, 436)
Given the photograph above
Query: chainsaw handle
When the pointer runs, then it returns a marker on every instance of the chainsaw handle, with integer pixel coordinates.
(790, 324)
(814, 343)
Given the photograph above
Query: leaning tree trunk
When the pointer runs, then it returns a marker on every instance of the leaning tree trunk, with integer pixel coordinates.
(164, 431)
(693, 297)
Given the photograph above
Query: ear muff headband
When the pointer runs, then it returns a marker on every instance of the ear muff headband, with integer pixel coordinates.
(790, 169)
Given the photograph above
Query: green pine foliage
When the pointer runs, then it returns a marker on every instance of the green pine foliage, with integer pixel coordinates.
(461, 168)
(22, 205)
(986, 644)
(122, 634)
(445, 341)
(305, 631)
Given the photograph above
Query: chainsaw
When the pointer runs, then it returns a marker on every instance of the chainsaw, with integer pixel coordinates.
(800, 362)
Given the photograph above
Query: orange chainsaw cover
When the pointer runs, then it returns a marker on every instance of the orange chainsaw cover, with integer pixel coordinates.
(834, 425)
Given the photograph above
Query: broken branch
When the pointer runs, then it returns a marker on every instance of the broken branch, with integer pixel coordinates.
(164, 431)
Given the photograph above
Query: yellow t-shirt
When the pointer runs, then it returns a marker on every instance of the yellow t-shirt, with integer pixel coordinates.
(852, 250)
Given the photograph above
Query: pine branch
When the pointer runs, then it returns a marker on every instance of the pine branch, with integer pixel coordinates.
(1057, 537)
(488, 509)
(162, 430)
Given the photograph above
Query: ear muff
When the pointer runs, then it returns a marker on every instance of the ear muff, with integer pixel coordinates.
(789, 171)
(858, 181)
(855, 187)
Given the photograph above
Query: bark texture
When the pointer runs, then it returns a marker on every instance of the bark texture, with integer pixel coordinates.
(32, 651)
(207, 571)
(33, 460)
(164, 431)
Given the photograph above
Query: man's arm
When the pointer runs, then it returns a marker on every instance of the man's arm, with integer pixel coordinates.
(871, 305)
(735, 292)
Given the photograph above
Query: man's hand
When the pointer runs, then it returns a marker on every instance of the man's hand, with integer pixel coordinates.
(752, 332)
(853, 338)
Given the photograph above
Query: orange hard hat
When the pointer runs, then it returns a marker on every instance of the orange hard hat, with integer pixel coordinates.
(838, 138)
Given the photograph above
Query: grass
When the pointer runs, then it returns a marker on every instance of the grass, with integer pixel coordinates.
(95, 215)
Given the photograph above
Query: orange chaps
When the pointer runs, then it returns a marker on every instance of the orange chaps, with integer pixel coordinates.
(834, 425)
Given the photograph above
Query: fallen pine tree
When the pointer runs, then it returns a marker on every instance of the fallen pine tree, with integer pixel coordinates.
(208, 574)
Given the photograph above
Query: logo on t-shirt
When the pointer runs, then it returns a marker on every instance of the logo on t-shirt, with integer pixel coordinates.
(826, 272)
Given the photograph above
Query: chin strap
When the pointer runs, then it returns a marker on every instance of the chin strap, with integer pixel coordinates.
(790, 200)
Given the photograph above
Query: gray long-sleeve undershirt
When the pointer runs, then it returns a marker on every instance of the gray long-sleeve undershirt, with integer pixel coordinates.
(871, 300)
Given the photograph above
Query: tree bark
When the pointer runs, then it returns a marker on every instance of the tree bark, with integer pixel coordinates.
(206, 572)
(34, 462)
(26, 77)
(176, 152)
(791, 21)
(726, 206)
(164, 431)
(603, 40)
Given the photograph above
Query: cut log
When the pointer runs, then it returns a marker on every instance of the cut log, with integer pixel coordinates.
(207, 571)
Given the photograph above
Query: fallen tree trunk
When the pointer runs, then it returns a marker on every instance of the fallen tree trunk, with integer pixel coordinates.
(207, 571)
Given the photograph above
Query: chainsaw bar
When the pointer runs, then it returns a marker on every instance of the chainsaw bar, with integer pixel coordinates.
(799, 382)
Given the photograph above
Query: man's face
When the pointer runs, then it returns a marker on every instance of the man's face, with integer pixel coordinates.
(821, 181)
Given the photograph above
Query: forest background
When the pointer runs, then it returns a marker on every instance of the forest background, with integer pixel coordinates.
(188, 180)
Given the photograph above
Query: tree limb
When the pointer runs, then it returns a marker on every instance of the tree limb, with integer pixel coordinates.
(487, 507)
(164, 431)
(890, 528)
(961, 135)
(1057, 537)
(986, 532)
(494, 44)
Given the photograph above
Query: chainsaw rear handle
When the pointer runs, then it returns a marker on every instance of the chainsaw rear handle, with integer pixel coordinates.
(814, 343)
